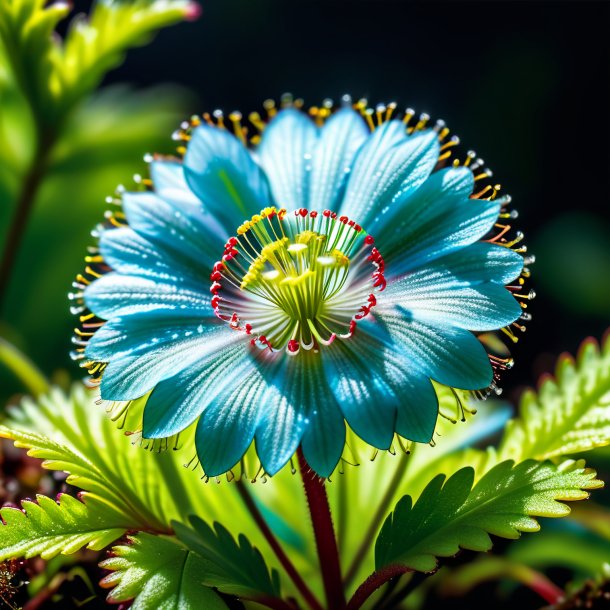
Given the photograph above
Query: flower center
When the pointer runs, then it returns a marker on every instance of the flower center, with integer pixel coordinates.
(297, 280)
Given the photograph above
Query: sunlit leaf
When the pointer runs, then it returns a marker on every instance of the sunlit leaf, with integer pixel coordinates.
(568, 414)
(451, 514)
(47, 527)
(158, 572)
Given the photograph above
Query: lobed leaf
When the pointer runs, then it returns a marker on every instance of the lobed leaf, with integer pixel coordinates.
(73, 434)
(46, 528)
(568, 414)
(158, 572)
(234, 567)
(55, 74)
(451, 514)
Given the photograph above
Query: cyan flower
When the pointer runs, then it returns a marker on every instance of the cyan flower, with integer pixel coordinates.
(273, 288)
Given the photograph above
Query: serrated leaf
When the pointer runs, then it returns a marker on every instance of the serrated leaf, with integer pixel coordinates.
(73, 434)
(232, 566)
(54, 74)
(451, 514)
(158, 572)
(47, 527)
(568, 414)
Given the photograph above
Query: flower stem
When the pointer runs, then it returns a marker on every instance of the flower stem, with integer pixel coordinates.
(273, 542)
(372, 583)
(326, 543)
(23, 368)
(382, 508)
(23, 209)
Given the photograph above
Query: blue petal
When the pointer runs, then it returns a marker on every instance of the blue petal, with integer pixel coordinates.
(128, 253)
(482, 262)
(118, 295)
(182, 233)
(379, 389)
(147, 351)
(389, 165)
(459, 290)
(305, 412)
(433, 221)
(249, 401)
(285, 153)
(450, 355)
(340, 139)
(222, 173)
(170, 184)
(203, 386)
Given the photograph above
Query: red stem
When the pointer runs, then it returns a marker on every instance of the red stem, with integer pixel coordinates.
(326, 543)
(255, 513)
(548, 590)
(372, 583)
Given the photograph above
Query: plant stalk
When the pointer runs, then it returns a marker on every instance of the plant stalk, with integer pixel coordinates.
(23, 209)
(381, 511)
(372, 583)
(273, 542)
(324, 533)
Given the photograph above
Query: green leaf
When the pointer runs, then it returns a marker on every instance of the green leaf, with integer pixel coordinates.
(452, 514)
(158, 572)
(234, 567)
(54, 74)
(569, 414)
(96, 45)
(74, 434)
(47, 527)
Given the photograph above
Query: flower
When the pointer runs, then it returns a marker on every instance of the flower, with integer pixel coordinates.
(273, 287)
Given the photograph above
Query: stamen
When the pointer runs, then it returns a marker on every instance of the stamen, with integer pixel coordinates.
(297, 281)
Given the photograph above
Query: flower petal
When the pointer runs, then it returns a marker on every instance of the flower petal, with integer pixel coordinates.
(340, 139)
(285, 153)
(379, 390)
(128, 253)
(459, 290)
(305, 412)
(389, 165)
(147, 351)
(433, 221)
(221, 172)
(450, 355)
(183, 233)
(114, 294)
(177, 402)
(251, 400)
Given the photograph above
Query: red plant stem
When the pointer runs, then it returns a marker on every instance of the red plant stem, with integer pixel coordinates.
(372, 583)
(273, 542)
(548, 590)
(326, 542)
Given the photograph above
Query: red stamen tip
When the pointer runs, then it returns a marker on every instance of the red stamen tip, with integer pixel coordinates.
(293, 345)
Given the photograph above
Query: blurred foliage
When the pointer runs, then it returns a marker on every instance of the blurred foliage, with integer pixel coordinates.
(573, 262)
(65, 146)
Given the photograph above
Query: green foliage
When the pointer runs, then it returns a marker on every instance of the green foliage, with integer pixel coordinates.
(569, 414)
(55, 74)
(234, 567)
(452, 515)
(59, 138)
(47, 528)
(73, 434)
(158, 572)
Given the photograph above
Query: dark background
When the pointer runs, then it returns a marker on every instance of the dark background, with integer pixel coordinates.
(526, 84)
